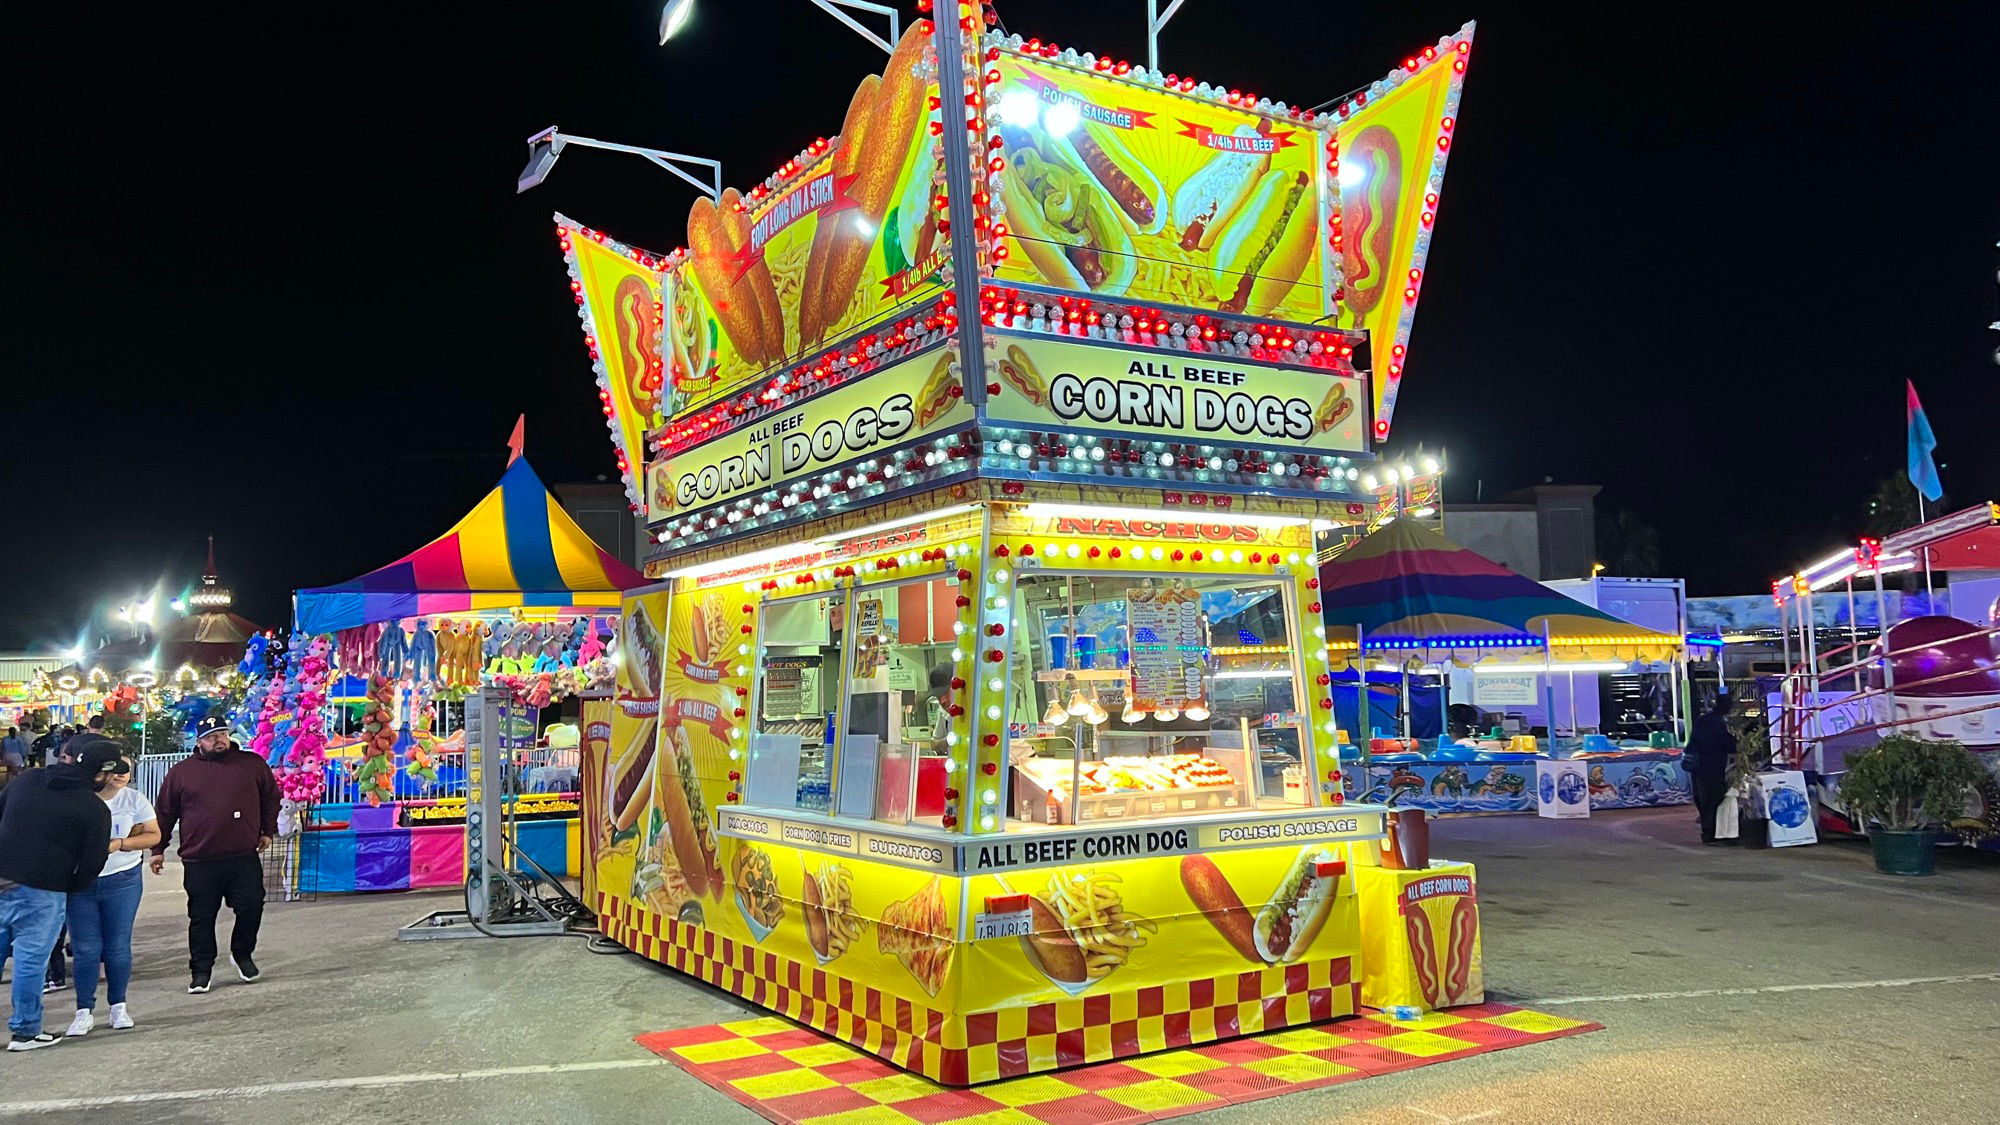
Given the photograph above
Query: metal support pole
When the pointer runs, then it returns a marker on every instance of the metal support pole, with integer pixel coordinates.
(1549, 686)
(1921, 520)
(1403, 670)
(1155, 20)
(832, 8)
(1362, 729)
(1785, 631)
(1882, 639)
(1853, 628)
(961, 181)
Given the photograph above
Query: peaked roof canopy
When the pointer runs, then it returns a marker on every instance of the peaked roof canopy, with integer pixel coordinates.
(1407, 587)
(517, 547)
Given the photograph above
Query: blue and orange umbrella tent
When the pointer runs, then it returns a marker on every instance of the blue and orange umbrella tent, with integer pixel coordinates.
(1406, 590)
(516, 548)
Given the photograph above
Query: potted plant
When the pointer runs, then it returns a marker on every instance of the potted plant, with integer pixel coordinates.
(1752, 757)
(1903, 788)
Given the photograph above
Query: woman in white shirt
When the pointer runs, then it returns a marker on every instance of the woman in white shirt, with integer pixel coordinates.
(100, 919)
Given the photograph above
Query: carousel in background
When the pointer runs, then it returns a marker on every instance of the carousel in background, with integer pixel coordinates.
(151, 678)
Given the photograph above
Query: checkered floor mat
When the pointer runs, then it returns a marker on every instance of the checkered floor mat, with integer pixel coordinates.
(790, 1074)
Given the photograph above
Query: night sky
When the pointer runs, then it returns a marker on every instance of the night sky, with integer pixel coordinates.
(268, 277)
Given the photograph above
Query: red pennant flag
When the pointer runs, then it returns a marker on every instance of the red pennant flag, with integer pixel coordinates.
(519, 440)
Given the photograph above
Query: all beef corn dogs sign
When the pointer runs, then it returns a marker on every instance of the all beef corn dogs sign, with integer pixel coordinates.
(887, 408)
(842, 244)
(1122, 190)
(1049, 383)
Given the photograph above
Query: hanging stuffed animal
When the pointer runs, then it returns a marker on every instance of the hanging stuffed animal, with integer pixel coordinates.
(496, 642)
(471, 647)
(595, 635)
(448, 653)
(548, 658)
(423, 653)
(423, 747)
(346, 646)
(392, 652)
(375, 774)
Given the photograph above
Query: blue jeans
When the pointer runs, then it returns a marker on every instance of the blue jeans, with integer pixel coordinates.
(100, 929)
(30, 919)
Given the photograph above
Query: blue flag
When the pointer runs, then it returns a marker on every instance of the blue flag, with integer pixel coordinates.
(1923, 470)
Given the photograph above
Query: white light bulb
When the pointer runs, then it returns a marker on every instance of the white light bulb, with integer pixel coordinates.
(989, 797)
(999, 577)
(1061, 119)
(1019, 107)
(993, 712)
(995, 684)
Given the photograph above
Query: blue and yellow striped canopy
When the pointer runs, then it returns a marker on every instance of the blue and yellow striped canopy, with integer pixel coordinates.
(517, 547)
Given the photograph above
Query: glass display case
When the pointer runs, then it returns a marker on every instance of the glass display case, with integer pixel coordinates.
(1144, 697)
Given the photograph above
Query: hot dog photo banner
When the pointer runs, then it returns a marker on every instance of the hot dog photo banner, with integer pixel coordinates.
(1118, 189)
(621, 303)
(1115, 926)
(1394, 138)
(840, 239)
(675, 761)
(1052, 383)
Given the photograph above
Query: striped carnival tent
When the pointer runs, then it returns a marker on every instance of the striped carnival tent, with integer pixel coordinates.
(517, 547)
(1406, 589)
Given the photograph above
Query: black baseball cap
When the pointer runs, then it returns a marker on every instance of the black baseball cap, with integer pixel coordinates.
(209, 724)
(99, 755)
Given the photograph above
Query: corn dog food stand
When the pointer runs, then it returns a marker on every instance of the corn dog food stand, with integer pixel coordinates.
(980, 715)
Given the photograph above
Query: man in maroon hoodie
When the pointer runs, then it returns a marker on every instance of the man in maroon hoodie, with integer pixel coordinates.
(226, 803)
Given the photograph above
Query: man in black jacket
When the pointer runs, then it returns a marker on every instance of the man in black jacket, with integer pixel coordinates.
(54, 834)
(1710, 747)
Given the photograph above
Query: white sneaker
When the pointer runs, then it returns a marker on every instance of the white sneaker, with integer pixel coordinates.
(120, 1018)
(81, 1025)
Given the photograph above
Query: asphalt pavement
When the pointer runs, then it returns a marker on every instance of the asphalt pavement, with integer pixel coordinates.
(1734, 986)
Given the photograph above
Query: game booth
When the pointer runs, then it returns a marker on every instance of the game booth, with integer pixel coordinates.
(1405, 599)
(365, 729)
(979, 714)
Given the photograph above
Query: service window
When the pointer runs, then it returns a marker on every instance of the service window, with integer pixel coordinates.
(1141, 697)
(898, 751)
(799, 665)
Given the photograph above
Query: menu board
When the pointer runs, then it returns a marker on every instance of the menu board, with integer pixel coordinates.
(784, 688)
(1169, 648)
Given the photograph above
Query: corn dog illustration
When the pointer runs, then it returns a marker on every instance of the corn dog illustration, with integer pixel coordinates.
(1019, 373)
(763, 291)
(901, 109)
(851, 144)
(735, 305)
(1332, 409)
(939, 391)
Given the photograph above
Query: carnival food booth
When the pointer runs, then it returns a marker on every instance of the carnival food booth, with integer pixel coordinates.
(358, 718)
(1405, 598)
(980, 714)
